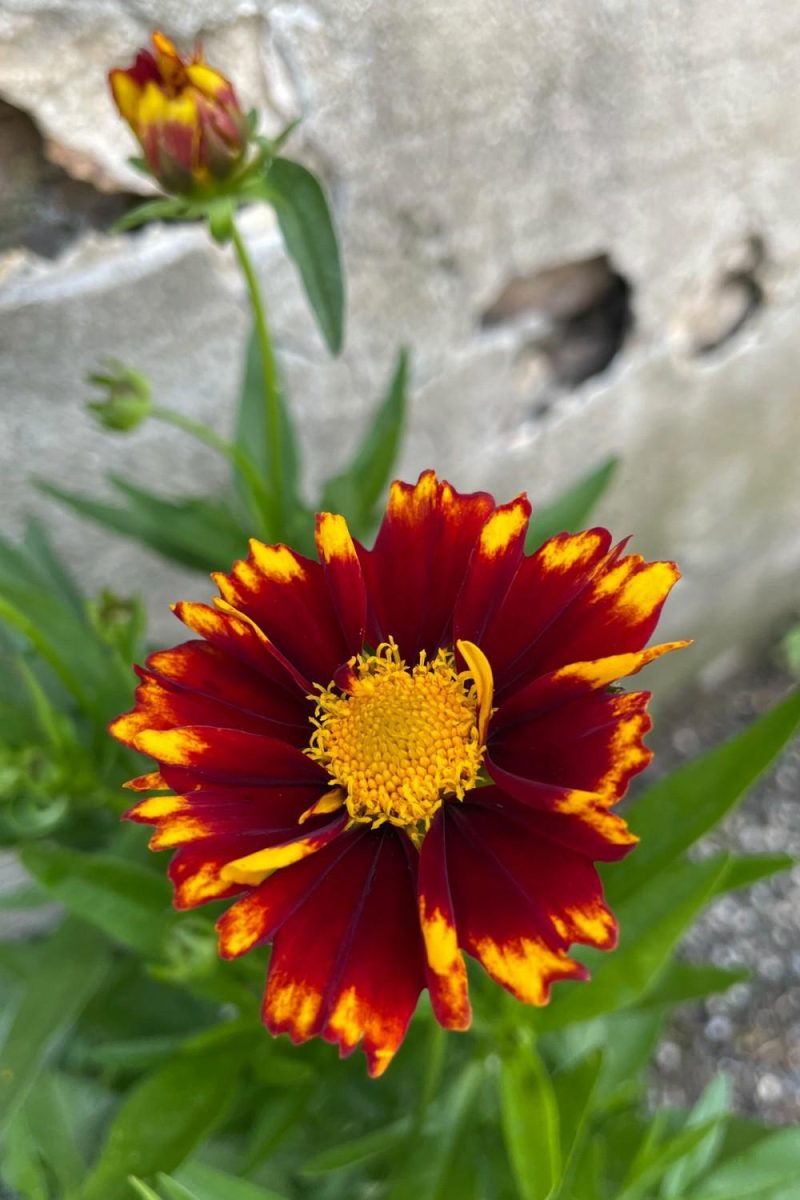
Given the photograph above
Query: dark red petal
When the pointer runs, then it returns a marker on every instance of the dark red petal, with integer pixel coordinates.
(494, 562)
(498, 923)
(616, 614)
(286, 596)
(562, 885)
(446, 971)
(555, 688)
(196, 872)
(161, 706)
(348, 963)
(593, 743)
(580, 820)
(257, 916)
(415, 571)
(239, 638)
(227, 812)
(546, 584)
(208, 754)
(337, 554)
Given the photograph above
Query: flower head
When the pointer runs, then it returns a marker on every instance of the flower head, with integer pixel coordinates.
(185, 115)
(397, 755)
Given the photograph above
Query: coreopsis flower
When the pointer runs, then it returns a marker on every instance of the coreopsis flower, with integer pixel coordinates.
(184, 114)
(397, 755)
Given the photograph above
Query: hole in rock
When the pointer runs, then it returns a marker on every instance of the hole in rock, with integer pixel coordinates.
(720, 307)
(573, 319)
(43, 206)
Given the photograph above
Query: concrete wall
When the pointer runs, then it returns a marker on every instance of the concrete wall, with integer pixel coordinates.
(465, 145)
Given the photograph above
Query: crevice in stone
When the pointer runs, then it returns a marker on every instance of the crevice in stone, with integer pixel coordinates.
(46, 199)
(721, 307)
(572, 318)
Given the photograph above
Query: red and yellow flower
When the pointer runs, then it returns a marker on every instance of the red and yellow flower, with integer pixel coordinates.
(397, 755)
(185, 115)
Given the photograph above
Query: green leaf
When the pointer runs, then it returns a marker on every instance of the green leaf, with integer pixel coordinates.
(356, 491)
(772, 1162)
(530, 1122)
(251, 436)
(142, 1190)
(209, 1183)
(357, 1150)
(443, 1156)
(41, 553)
(571, 511)
(713, 1103)
(166, 209)
(163, 1118)
(650, 1167)
(48, 1112)
(683, 981)
(574, 1089)
(197, 532)
(676, 811)
(310, 238)
(746, 869)
(126, 901)
(70, 967)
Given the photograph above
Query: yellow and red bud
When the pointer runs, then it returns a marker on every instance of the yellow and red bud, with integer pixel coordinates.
(185, 115)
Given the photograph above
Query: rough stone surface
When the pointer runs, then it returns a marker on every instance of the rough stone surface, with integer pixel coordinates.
(463, 145)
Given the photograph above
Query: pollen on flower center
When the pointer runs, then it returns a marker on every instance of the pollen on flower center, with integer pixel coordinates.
(401, 740)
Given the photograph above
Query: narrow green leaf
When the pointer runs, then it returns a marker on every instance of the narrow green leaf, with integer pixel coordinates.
(48, 1112)
(676, 811)
(772, 1162)
(142, 1189)
(444, 1154)
(38, 546)
(682, 981)
(209, 1183)
(356, 491)
(746, 869)
(529, 1117)
(655, 1163)
(126, 901)
(308, 232)
(713, 1103)
(571, 511)
(167, 209)
(357, 1150)
(70, 968)
(162, 1119)
(251, 436)
(574, 1089)
(196, 532)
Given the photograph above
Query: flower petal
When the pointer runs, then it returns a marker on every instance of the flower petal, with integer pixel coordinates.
(546, 584)
(240, 639)
(494, 563)
(347, 964)
(205, 753)
(554, 688)
(253, 868)
(562, 885)
(415, 571)
(337, 553)
(447, 973)
(593, 743)
(286, 596)
(497, 920)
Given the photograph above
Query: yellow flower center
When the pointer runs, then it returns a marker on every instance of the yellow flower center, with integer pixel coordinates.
(401, 740)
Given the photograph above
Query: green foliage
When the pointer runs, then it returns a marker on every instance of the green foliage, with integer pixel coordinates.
(310, 238)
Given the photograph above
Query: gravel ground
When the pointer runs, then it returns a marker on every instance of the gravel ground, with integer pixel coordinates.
(752, 1032)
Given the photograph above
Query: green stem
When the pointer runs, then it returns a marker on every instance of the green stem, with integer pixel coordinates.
(234, 455)
(269, 369)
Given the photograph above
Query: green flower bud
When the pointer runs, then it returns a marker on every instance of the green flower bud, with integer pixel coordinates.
(127, 400)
